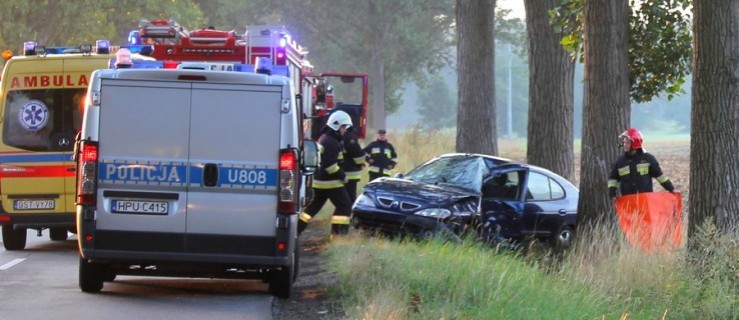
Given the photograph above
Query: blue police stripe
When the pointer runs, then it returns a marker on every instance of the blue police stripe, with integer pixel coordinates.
(141, 172)
(237, 177)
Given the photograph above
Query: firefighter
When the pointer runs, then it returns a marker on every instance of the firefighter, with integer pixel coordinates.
(634, 170)
(353, 162)
(329, 180)
(381, 156)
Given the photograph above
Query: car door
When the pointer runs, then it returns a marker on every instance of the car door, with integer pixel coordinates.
(501, 205)
(545, 207)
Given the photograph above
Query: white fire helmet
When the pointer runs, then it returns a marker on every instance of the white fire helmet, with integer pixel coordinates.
(338, 119)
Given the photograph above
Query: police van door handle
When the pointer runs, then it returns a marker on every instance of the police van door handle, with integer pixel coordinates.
(210, 175)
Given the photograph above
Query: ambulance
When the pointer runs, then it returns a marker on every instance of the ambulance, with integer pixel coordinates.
(42, 93)
(194, 171)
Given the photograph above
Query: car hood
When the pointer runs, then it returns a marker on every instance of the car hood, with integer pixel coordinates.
(423, 194)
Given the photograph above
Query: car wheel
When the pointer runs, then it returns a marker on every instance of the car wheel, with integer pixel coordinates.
(58, 234)
(442, 231)
(563, 239)
(14, 239)
(91, 277)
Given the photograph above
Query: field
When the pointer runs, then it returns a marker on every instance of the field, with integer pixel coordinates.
(368, 277)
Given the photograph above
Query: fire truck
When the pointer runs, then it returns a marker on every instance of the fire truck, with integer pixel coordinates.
(320, 94)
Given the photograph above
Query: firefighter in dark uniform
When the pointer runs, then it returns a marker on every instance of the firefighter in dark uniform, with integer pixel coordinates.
(353, 162)
(381, 156)
(329, 180)
(634, 170)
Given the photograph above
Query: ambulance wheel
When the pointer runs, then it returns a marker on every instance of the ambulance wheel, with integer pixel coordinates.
(58, 234)
(91, 277)
(14, 239)
(563, 239)
(281, 281)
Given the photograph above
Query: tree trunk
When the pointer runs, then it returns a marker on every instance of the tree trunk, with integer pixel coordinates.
(551, 84)
(376, 114)
(606, 103)
(714, 134)
(476, 123)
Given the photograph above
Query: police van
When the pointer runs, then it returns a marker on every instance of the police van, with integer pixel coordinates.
(42, 94)
(190, 172)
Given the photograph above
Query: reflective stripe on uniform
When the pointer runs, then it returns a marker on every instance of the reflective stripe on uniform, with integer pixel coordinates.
(359, 160)
(353, 174)
(340, 220)
(333, 168)
(389, 154)
(624, 171)
(305, 217)
(375, 150)
(612, 183)
(663, 178)
(642, 168)
(328, 184)
(374, 169)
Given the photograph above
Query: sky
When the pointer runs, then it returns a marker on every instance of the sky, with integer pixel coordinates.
(516, 6)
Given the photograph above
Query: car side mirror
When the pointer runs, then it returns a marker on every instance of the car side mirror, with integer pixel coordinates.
(310, 157)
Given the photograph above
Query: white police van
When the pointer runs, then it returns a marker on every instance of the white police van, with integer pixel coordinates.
(191, 173)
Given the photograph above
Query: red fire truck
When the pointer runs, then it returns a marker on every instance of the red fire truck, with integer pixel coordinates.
(320, 94)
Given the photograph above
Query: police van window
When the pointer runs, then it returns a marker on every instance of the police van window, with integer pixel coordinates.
(43, 120)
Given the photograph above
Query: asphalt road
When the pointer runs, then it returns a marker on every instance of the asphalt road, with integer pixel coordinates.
(41, 282)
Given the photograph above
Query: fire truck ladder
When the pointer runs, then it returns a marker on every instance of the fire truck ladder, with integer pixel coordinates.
(160, 32)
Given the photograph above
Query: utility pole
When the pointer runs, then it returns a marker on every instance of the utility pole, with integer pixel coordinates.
(509, 113)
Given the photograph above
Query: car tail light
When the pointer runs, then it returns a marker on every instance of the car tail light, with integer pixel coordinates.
(288, 187)
(87, 164)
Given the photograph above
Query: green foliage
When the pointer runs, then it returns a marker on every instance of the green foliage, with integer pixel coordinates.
(438, 105)
(659, 44)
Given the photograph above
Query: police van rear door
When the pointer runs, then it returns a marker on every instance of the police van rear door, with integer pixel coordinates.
(234, 150)
(143, 154)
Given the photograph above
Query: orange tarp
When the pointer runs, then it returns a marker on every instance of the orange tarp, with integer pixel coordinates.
(651, 221)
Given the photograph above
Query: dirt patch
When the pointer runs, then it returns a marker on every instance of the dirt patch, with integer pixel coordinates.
(310, 299)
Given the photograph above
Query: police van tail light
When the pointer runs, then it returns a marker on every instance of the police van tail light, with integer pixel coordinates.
(288, 181)
(87, 164)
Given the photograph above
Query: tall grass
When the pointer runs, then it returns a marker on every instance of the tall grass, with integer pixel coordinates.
(602, 278)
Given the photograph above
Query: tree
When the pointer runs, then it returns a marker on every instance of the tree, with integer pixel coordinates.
(437, 105)
(476, 123)
(83, 21)
(392, 41)
(714, 144)
(605, 102)
(551, 84)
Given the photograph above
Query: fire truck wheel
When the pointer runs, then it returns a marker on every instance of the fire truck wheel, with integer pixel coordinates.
(14, 239)
(58, 234)
(91, 279)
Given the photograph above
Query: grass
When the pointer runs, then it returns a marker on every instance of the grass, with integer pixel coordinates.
(602, 278)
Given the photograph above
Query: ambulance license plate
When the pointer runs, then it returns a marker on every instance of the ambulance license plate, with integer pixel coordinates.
(33, 204)
(140, 207)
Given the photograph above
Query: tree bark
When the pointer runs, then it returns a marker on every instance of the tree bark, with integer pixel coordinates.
(376, 117)
(476, 123)
(606, 104)
(551, 101)
(714, 134)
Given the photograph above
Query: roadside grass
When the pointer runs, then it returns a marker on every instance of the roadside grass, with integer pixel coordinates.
(602, 278)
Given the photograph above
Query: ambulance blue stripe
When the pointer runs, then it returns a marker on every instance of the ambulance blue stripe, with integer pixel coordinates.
(57, 157)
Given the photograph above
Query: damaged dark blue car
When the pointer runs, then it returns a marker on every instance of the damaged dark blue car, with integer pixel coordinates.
(495, 199)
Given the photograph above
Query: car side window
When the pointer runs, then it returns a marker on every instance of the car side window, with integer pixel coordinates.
(502, 186)
(538, 187)
(557, 191)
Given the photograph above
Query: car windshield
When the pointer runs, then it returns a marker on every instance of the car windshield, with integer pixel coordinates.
(464, 171)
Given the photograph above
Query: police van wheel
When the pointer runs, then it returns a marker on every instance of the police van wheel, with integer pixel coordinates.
(14, 239)
(91, 277)
(281, 281)
(58, 234)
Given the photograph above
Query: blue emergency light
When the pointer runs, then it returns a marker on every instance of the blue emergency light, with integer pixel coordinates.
(29, 48)
(102, 46)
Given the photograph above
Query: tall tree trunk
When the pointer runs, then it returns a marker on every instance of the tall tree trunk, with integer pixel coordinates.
(606, 103)
(551, 84)
(714, 134)
(376, 117)
(476, 123)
